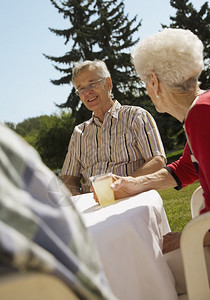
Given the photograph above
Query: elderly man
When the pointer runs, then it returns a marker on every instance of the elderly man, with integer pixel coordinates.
(123, 140)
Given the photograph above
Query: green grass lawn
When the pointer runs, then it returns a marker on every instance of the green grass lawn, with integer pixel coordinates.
(177, 205)
(174, 155)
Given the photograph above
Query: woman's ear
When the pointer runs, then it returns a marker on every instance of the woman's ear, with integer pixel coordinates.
(155, 84)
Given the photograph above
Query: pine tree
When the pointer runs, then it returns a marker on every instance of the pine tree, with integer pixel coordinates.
(187, 17)
(79, 39)
(198, 22)
(114, 39)
(98, 30)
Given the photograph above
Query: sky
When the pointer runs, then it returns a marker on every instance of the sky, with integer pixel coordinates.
(25, 87)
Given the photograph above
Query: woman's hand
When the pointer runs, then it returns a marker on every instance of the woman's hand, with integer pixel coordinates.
(124, 187)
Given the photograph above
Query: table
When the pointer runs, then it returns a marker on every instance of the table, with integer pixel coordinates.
(128, 235)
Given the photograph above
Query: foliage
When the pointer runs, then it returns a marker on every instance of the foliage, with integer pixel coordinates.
(49, 135)
(10, 125)
(173, 156)
(53, 139)
(187, 17)
(29, 128)
(29, 125)
(98, 30)
(170, 129)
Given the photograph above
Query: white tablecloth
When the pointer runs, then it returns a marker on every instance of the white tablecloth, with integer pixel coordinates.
(128, 235)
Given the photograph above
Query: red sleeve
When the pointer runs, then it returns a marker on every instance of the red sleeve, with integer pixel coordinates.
(197, 126)
(183, 169)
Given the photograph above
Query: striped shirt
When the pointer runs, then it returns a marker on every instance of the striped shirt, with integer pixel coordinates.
(126, 139)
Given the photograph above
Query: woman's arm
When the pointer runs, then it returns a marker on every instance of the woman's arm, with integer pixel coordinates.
(129, 186)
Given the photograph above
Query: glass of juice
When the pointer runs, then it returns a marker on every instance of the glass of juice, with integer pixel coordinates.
(102, 187)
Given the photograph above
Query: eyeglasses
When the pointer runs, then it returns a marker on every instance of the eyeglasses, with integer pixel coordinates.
(92, 86)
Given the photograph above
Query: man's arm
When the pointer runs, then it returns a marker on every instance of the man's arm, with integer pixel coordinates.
(150, 166)
(72, 183)
(171, 241)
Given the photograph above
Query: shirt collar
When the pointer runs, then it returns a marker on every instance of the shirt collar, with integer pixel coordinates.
(113, 111)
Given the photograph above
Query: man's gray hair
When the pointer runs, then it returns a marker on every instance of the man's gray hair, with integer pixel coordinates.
(174, 55)
(98, 65)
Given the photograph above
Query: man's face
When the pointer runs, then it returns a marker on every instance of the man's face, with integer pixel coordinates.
(96, 97)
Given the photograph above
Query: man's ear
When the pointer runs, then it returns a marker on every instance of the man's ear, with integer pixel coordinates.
(155, 83)
(109, 83)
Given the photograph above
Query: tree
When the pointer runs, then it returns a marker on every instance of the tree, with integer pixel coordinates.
(187, 17)
(114, 38)
(53, 139)
(98, 30)
(29, 125)
(29, 129)
(49, 135)
(10, 125)
(198, 22)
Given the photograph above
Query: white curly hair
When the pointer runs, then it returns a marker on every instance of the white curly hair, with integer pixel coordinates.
(174, 55)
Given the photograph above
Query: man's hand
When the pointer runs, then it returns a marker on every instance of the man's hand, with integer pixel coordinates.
(94, 194)
(72, 183)
(207, 239)
(171, 241)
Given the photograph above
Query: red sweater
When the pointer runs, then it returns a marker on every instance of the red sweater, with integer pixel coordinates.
(197, 129)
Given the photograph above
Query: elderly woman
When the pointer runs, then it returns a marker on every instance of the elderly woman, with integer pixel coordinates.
(170, 63)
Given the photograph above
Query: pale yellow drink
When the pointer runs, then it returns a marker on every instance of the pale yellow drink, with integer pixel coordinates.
(103, 190)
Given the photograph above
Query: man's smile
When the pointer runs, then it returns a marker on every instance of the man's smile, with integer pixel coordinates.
(91, 99)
